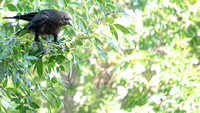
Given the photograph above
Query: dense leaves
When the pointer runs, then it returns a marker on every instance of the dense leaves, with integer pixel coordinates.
(120, 56)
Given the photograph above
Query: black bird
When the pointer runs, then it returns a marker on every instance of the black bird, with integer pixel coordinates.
(45, 22)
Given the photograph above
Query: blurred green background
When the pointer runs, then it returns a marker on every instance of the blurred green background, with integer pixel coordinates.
(122, 56)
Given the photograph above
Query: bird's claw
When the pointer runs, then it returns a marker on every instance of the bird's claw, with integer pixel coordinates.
(61, 45)
(43, 49)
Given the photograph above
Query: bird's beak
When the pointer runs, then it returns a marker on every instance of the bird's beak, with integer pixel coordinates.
(70, 23)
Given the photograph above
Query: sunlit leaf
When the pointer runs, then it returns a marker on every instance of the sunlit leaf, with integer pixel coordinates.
(2, 33)
(19, 7)
(114, 45)
(83, 23)
(9, 103)
(98, 42)
(74, 3)
(12, 7)
(110, 6)
(69, 92)
(3, 54)
(122, 28)
(101, 52)
(116, 8)
(5, 82)
(13, 90)
(110, 20)
(100, 1)
(113, 31)
(67, 1)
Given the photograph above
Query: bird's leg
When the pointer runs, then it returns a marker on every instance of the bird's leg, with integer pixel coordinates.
(61, 45)
(36, 41)
(36, 36)
(55, 38)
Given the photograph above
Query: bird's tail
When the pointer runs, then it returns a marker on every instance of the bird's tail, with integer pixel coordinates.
(9, 18)
(26, 17)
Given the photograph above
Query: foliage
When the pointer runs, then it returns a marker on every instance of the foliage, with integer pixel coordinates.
(130, 56)
(24, 66)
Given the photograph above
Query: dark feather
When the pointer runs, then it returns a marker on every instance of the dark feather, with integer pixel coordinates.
(46, 22)
(26, 17)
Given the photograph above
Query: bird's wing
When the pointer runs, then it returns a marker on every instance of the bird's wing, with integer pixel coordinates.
(37, 21)
(27, 17)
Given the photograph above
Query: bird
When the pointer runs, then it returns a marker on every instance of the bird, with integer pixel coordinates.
(44, 23)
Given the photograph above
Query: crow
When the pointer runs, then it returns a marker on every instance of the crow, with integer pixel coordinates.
(45, 22)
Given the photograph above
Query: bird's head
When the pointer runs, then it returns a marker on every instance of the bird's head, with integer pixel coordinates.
(66, 18)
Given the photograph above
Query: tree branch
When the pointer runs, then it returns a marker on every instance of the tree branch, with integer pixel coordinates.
(24, 96)
(7, 91)
(37, 93)
(78, 7)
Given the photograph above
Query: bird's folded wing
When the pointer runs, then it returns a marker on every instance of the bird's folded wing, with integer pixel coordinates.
(37, 21)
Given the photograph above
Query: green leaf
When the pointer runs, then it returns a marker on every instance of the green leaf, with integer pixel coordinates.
(100, 1)
(54, 80)
(60, 59)
(5, 82)
(13, 90)
(19, 7)
(3, 54)
(31, 57)
(98, 42)
(114, 45)
(16, 84)
(84, 37)
(110, 6)
(34, 105)
(57, 102)
(110, 20)
(101, 52)
(19, 107)
(122, 28)
(23, 32)
(36, 64)
(62, 68)
(116, 8)
(40, 68)
(83, 23)
(9, 103)
(11, 7)
(67, 1)
(79, 42)
(64, 105)
(113, 31)
(2, 33)
(69, 92)
(16, 100)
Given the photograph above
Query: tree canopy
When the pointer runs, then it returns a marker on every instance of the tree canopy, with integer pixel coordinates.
(120, 56)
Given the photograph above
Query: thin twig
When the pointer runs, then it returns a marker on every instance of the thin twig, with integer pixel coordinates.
(78, 7)
(37, 93)
(24, 96)
(7, 91)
